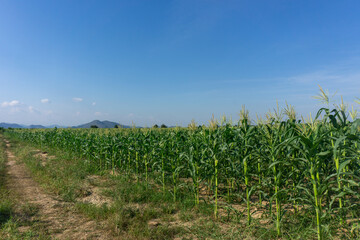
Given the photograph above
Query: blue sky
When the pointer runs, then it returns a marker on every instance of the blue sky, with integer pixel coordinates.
(147, 62)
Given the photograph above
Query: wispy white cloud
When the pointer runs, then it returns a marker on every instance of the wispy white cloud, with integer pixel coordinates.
(31, 109)
(45, 100)
(97, 113)
(10, 104)
(94, 103)
(342, 74)
(15, 106)
(342, 83)
(77, 99)
(328, 77)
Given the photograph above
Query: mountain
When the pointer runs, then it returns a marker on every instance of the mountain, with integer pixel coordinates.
(15, 125)
(11, 125)
(35, 126)
(101, 124)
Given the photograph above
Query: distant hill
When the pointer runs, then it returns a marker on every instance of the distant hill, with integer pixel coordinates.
(11, 125)
(36, 126)
(101, 124)
(15, 125)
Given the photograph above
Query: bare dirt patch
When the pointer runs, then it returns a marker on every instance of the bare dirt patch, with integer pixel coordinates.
(54, 215)
(43, 156)
(93, 192)
(94, 196)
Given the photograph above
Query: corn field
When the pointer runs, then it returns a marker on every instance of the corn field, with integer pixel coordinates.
(280, 167)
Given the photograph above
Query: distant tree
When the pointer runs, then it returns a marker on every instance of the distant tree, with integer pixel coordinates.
(94, 126)
(116, 126)
(163, 126)
(155, 126)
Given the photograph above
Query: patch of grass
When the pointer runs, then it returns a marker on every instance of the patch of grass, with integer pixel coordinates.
(165, 232)
(15, 219)
(6, 206)
(12, 230)
(187, 216)
(5, 210)
(61, 175)
(93, 211)
(25, 213)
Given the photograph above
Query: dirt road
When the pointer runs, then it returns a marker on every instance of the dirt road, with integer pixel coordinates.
(54, 215)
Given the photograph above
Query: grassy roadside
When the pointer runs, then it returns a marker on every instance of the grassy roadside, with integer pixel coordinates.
(129, 209)
(16, 220)
(132, 209)
(6, 206)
